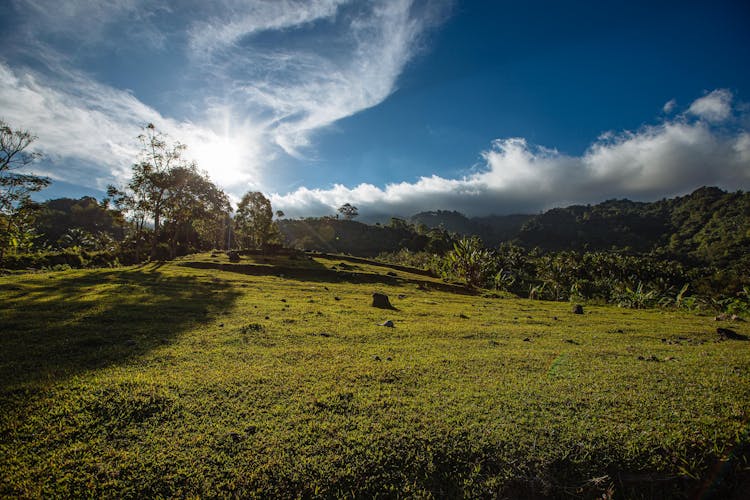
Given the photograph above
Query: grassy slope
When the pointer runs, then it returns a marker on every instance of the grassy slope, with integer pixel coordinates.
(170, 380)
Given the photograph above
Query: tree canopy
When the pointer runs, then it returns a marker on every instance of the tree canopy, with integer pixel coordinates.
(16, 186)
(254, 220)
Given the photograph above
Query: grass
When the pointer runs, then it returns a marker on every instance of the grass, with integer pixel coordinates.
(198, 378)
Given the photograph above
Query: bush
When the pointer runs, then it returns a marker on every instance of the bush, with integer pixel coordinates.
(74, 258)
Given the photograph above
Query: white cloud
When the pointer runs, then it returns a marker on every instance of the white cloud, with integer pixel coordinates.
(88, 21)
(669, 106)
(667, 159)
(315, 77)
(232, 20)
(258, 99)
(715, 106)
(87, 131)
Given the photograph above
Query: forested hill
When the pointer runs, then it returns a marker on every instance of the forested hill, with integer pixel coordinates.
(708, 225)
(493, 229)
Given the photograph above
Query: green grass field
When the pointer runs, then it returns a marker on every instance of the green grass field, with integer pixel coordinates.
(273, 378)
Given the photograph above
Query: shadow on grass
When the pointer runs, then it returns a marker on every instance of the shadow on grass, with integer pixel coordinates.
(53, 327)
(319, 273)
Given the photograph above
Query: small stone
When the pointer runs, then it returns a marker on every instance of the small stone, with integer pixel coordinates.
(267, 317)
(463, 316)
(283, 300)
(376, 358)
(577, 309)
(389, 358)
(221, 325)
(388, 323)
(641, 358)
(381, 301)
(337, 298)
(527, 339)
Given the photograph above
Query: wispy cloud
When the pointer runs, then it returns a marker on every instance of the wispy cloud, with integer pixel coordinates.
(89, 21)
(262, 76)
(669, 158)
(315, 76)
(87, 131)
(229, 21)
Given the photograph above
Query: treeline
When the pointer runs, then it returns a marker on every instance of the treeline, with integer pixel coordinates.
(709, 225)
(331, 234)
(168, 208)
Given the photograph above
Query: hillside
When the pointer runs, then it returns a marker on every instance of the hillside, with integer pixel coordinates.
(708, 226)
(273, 377)
(355, 238)
(493, 229)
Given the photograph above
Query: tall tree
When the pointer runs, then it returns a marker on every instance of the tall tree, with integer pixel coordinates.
(348, 211)
(146, 195)
(195, 206)
(254, 220)
(16, 207)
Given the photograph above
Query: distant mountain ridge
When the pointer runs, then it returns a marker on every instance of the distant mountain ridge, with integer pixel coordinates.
(493, 229)
(708, 225)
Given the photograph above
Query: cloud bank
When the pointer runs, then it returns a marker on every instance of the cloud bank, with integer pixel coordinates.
(698, 147)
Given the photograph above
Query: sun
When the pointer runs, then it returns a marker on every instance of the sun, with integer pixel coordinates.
(222, 157)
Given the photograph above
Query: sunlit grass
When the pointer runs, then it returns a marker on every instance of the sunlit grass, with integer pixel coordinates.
(177, 381)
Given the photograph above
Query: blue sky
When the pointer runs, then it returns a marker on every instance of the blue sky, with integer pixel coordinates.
(395, 106)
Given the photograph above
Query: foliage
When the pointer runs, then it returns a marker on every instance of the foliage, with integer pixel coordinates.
(65, 222)
(17, 211)
(356, 238)
(187, 210)
(72, 257)
(348, 211)
(195, 213)
(470, 261)
(254, 220)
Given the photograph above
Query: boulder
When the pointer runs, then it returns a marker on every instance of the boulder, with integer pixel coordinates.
(381, 300)
(577, 309)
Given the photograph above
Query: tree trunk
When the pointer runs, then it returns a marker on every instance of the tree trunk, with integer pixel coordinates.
(155, 239)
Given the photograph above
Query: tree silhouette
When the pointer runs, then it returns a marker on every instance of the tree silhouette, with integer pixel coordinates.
(348, 211)
(16, 207)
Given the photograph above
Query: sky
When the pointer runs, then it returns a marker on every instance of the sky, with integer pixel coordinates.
(394, 106)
